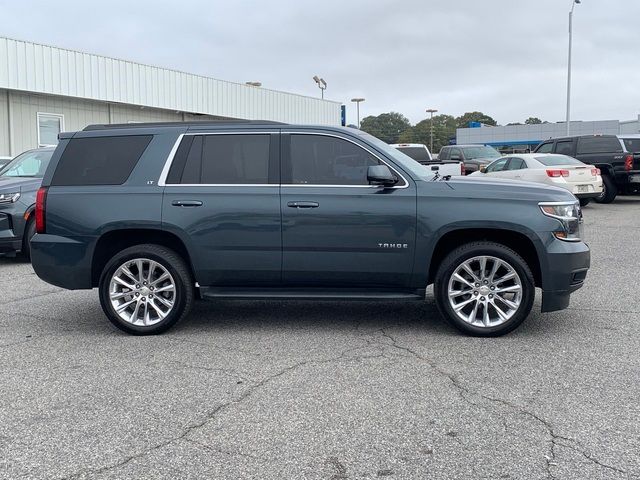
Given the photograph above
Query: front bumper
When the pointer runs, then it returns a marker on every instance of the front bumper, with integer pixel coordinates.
(9, 241)
(566, 270)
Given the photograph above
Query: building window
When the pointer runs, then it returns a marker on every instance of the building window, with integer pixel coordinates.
(49, 126)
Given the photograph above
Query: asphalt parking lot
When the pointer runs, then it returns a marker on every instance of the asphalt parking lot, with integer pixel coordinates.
(327, 390)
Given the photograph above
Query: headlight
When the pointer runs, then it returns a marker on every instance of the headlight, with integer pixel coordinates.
(9, 197)
(570, 217)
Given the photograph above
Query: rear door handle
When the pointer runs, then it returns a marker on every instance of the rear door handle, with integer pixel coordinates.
(303, 204)
(186, 203)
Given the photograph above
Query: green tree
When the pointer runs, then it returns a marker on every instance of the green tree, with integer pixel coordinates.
(533, 121)
(463, 120)
(444, 127)
(387, 126)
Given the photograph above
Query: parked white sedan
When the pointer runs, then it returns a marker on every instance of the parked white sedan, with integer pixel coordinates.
(583, 180)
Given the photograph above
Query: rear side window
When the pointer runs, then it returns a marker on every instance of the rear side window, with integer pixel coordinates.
(221, 160)
(516, 164)
(99, 160)
(598, 145)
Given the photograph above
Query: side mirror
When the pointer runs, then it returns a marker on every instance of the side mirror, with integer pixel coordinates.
(483, 169)
(455, 157)
(380, 175)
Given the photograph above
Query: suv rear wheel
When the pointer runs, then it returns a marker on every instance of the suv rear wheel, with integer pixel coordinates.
(146, 289)
(609, 190)
(484, 289)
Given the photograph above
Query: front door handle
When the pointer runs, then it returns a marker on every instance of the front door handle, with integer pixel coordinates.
(303, 204)
(186, 203)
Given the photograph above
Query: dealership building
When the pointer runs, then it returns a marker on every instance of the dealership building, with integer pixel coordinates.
(523, 138)
(45, 90)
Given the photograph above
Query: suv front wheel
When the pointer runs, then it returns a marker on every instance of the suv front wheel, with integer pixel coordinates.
(146, 289)
(484, 289)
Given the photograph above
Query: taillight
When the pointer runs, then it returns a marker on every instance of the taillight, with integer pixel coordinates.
(628, 163)
(41, 201)
(461, 168)
(558, 173)
(595, 172)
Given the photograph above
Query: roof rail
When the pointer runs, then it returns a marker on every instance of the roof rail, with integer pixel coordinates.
(201, 123)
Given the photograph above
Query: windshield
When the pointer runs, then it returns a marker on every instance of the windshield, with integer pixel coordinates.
(417, 153)
(405, 161)
(556, 160)
(480, 151)
(28, 164)
(632, 144)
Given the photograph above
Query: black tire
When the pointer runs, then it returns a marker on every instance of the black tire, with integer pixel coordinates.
(609, 190)
(454, 259)
(174, 264)
(584, 202)
(29, 232)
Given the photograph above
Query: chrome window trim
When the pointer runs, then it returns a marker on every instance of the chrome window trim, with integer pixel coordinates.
(167, 165)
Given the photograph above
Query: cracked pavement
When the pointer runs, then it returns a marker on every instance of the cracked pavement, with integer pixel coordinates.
(327, 390)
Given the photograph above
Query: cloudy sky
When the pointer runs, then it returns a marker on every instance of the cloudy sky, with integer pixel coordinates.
(507, 58)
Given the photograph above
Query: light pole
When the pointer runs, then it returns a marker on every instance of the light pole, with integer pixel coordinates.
(357, 102)
(254, 84)
(322, 85)
(431, 111)
(573, 5)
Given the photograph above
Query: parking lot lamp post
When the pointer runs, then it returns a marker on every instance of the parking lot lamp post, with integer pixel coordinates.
(357, 102)
(573, 4)
(431, 111)
(322, 85)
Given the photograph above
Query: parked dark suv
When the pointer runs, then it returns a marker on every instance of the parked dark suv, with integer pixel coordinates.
(156, 214)
(19, 182)
(472, 156)
(617, 157)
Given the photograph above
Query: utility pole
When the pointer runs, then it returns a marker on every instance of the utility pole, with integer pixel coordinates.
(573, 4)
(357, 102)
(431, 111)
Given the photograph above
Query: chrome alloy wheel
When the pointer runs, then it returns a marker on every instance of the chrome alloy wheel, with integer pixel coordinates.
(485, 291)
(142, 292)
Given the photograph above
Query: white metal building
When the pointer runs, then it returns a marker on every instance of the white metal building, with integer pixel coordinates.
(45, 90)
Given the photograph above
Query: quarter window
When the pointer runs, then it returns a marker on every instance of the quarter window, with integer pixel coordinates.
(49, 126)
(324, 160)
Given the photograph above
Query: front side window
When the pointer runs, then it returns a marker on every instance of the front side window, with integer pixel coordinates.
(28, 164)
(225, 159)
(49, 126)
(324, 160)
(545, 148)
(444, 153)
(497, 166)
(564, 147)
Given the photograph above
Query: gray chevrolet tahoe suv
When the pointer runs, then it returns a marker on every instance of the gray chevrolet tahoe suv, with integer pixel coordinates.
(155, 215)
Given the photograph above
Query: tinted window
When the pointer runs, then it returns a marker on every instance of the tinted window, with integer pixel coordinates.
(323, 160)
(497, 166)
(632, 145)
(516, 164)
(555, 160)
(480, 151)
(444, 154)
(598, 145)
(99, 160)
(417, 153)
(545, 148)
(221, 160)
(564, 147)
(456, 152)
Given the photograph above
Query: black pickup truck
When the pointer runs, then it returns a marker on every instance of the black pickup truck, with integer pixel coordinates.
(617, 157)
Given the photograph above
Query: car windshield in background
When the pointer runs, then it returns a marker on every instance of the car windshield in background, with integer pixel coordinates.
(556, 160)
(28, 164)
(632, 145)
(480, 152)
(417, 153)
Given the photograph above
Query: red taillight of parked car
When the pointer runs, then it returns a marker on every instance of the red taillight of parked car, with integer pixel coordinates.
(595, 172)
(628, 163)
(41, 201)
(461, 168)
(557, 173)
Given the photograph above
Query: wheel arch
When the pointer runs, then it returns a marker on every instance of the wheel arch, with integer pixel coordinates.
(515, 240)
(114, 241)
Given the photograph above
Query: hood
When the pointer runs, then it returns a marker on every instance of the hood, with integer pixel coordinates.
(498, 188)
(21, 184)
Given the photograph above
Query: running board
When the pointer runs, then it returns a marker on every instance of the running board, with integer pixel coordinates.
(307, 294)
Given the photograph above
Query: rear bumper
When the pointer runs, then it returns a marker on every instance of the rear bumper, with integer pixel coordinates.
(568, 263)
(62, 261)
